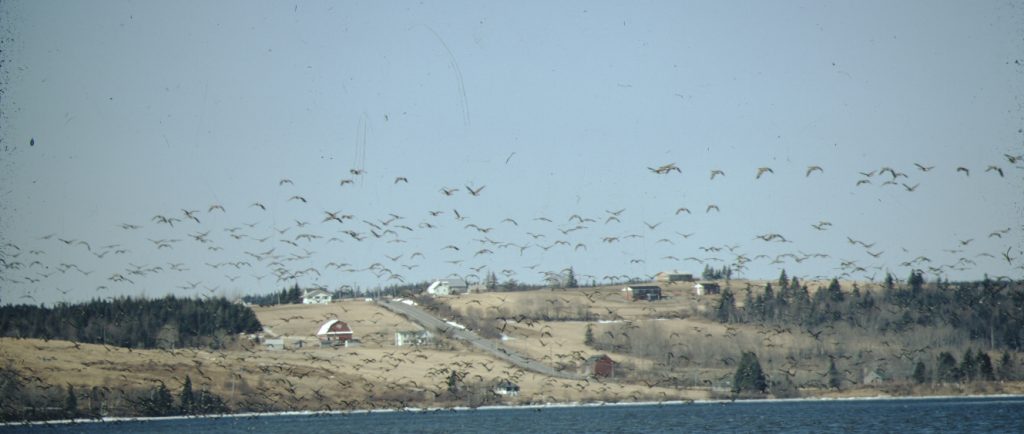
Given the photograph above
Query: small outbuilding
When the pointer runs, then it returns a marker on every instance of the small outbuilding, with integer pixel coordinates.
(702, 288)
(599, 366)
(413, 338)
(334, 333)
(506, 388)
(642, 292)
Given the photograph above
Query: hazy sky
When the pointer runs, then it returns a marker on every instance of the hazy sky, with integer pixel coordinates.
(115, 112)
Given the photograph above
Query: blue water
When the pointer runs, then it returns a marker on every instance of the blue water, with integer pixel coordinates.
(967, 415)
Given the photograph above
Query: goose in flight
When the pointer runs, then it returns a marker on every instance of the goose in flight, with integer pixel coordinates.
(963, 169)
(924, 168)
(665, 169)
(997, 169)
(716, 172)
(762, 170)
(475, 192)
(811, 169)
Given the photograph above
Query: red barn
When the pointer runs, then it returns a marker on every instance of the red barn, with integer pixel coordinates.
(599, 366)
(333, 333)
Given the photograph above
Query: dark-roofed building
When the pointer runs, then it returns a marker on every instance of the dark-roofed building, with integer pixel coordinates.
(642, 292)
(702, 288)
(673, 276)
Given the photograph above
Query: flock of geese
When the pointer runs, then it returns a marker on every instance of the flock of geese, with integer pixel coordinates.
(239, 248)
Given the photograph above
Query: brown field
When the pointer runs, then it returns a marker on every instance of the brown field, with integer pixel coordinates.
(674, 353)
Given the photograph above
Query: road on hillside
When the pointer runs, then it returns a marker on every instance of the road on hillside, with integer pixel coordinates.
(500, 351)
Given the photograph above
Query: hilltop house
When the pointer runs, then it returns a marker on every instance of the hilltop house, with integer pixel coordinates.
(642, 292)
(672, 277)
(447, 287)
(316, 296)
(334, 333)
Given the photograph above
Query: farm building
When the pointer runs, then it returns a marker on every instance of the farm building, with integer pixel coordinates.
(413, 338)
(316, 296)
(642, 292)
(282, 344)
(447, 287)
(506, 388)
(598, 366)
(334, 333)
(672, 277)
(702, 288)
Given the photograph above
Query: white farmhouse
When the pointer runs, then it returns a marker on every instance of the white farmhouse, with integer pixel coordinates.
(316, 296)
(447, 287)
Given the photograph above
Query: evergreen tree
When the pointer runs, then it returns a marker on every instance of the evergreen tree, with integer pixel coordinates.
(71, 402)
(588, 338)
(1006, 369)
(835, 292)
(570, 279)
(726, 311)
(207, 402)
(187, 400)
(916, 281)
(783, 280)
(968, 367)
(160, 402)
(985, 370)
(835, 379)
(920, 374)
(708, 274)
(890, 283)
(768, 304)
(294, 295)
(946, 371)
(454, 382)
(749, 377)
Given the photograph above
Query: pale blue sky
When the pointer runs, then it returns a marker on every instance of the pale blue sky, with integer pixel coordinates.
(146, 108)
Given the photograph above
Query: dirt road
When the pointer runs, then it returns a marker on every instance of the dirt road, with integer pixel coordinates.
(500, 351)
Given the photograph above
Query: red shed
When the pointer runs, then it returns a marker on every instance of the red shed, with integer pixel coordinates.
(599, 366)
(334, 332)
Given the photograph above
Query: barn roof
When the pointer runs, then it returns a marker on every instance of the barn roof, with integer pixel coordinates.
(325, 329)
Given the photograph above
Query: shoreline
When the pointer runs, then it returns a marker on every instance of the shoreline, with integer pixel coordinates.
(508, 407)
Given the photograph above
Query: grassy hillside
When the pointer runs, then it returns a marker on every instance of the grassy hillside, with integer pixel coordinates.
(673, 349)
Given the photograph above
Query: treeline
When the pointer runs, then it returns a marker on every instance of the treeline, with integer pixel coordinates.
(972, 367)
(168, 322)
(291, 295)
(23, 398)
(987, 310)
